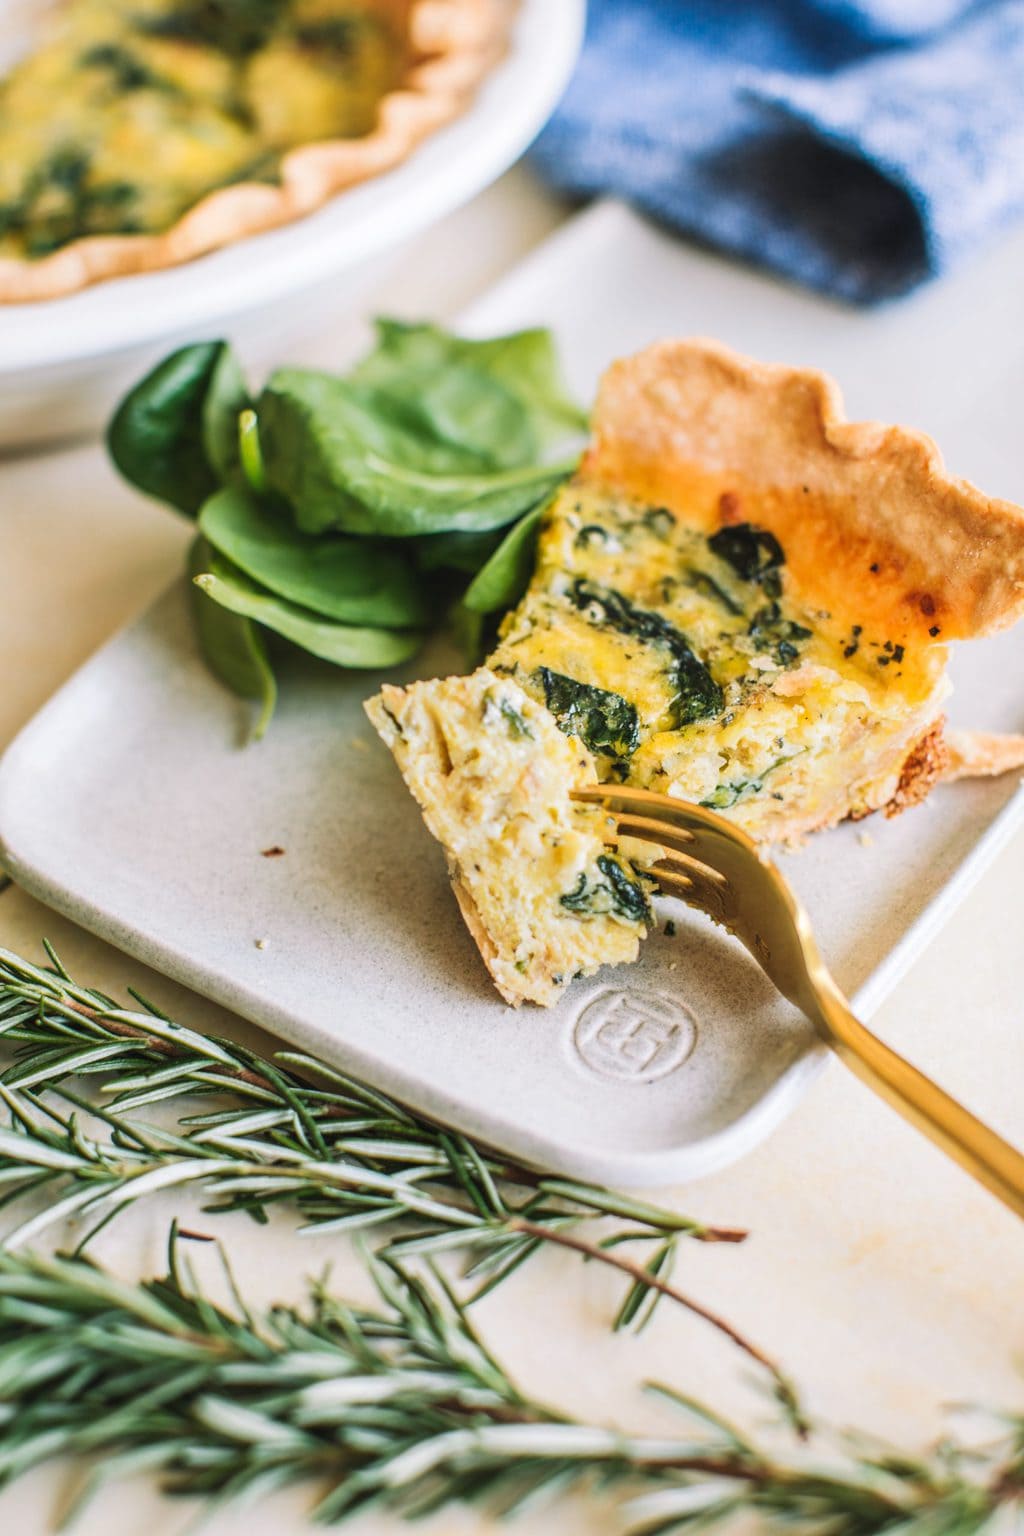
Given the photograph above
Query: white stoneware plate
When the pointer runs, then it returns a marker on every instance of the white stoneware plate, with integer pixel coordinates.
(130, 805)
(64, 362)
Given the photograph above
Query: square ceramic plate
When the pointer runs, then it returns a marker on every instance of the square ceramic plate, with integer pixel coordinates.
(130, 805)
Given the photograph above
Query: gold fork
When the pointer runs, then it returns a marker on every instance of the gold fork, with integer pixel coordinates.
(714, 866)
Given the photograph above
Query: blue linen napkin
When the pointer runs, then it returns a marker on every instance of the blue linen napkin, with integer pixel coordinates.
(858, 146)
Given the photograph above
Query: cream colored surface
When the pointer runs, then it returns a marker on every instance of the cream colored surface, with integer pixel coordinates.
(886, 1282)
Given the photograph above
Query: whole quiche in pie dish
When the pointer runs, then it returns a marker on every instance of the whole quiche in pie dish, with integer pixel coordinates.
(138, 134)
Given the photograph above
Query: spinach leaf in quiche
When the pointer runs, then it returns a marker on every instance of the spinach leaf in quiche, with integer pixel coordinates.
(168, 434)
(345, 459)
(234, 27)
(781, 636)
(232, 646)
(618, 893)
(754, 554)
(605, 722)
(353, 581)
(697, 696)
(346, 645)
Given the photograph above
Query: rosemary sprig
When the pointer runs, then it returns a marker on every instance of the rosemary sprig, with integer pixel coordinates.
(287, 1129)
(402, 1405)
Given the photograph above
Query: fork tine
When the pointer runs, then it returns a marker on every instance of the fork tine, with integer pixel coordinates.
(682, 816)
(648, 831)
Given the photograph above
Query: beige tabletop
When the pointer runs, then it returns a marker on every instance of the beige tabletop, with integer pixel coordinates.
(883, 1279)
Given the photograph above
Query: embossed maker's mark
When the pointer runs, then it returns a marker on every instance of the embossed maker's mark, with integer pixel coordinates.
(634, 1036)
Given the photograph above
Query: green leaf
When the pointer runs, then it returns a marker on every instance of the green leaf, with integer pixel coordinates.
(160, 432)
(231, 645)
(227, 396)
(346, 645)
(463, 407)
(350, 458)
(525, 362)
(504, 579)
(468, 630)
(456, 551)
(354, 581)
(250, 454)
(605, 722)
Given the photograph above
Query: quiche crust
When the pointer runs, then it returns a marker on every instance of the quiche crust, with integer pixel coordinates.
(741, 599)
(876, 532)
(452, 45)
(873, 525)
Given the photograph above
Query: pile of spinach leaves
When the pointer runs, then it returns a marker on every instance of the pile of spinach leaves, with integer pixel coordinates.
(345, 514)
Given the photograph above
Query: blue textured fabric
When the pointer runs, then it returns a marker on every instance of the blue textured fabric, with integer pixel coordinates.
(858, 146)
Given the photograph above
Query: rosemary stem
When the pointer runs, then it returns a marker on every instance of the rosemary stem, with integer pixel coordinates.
(645, 1277)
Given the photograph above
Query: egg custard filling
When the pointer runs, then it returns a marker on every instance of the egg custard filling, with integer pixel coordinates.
(741, 599)
(541, 893)
(680, 659)
(130, 111)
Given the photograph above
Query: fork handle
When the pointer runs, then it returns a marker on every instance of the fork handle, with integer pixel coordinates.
(986, 1156)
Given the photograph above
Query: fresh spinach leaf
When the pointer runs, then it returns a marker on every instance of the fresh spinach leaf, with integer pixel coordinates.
(504, 578)
(250, 454)
(525, 362)
(232, 646)
(157, 435)
(227, 396)
(464, 408)
(466, 552)
(605, 722)
(345, 458)
(469, 631)
(353, 581)
(346, 645)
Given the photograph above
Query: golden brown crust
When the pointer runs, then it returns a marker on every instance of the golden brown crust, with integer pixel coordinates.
(980, 754)
(874, 528)
(923, 767)
(497, 967)
(453, 44)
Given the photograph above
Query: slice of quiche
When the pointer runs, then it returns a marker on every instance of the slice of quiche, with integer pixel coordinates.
(746, 601)
(541, 893)
(741, 600)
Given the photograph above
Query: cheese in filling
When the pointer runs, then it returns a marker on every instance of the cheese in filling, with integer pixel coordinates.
(686, 665)
(130, 111)
(543, 896)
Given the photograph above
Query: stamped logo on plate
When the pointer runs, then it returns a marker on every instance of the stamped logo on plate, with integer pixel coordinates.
(634, 1036)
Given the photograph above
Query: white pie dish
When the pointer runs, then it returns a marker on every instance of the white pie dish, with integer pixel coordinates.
(64, 362)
